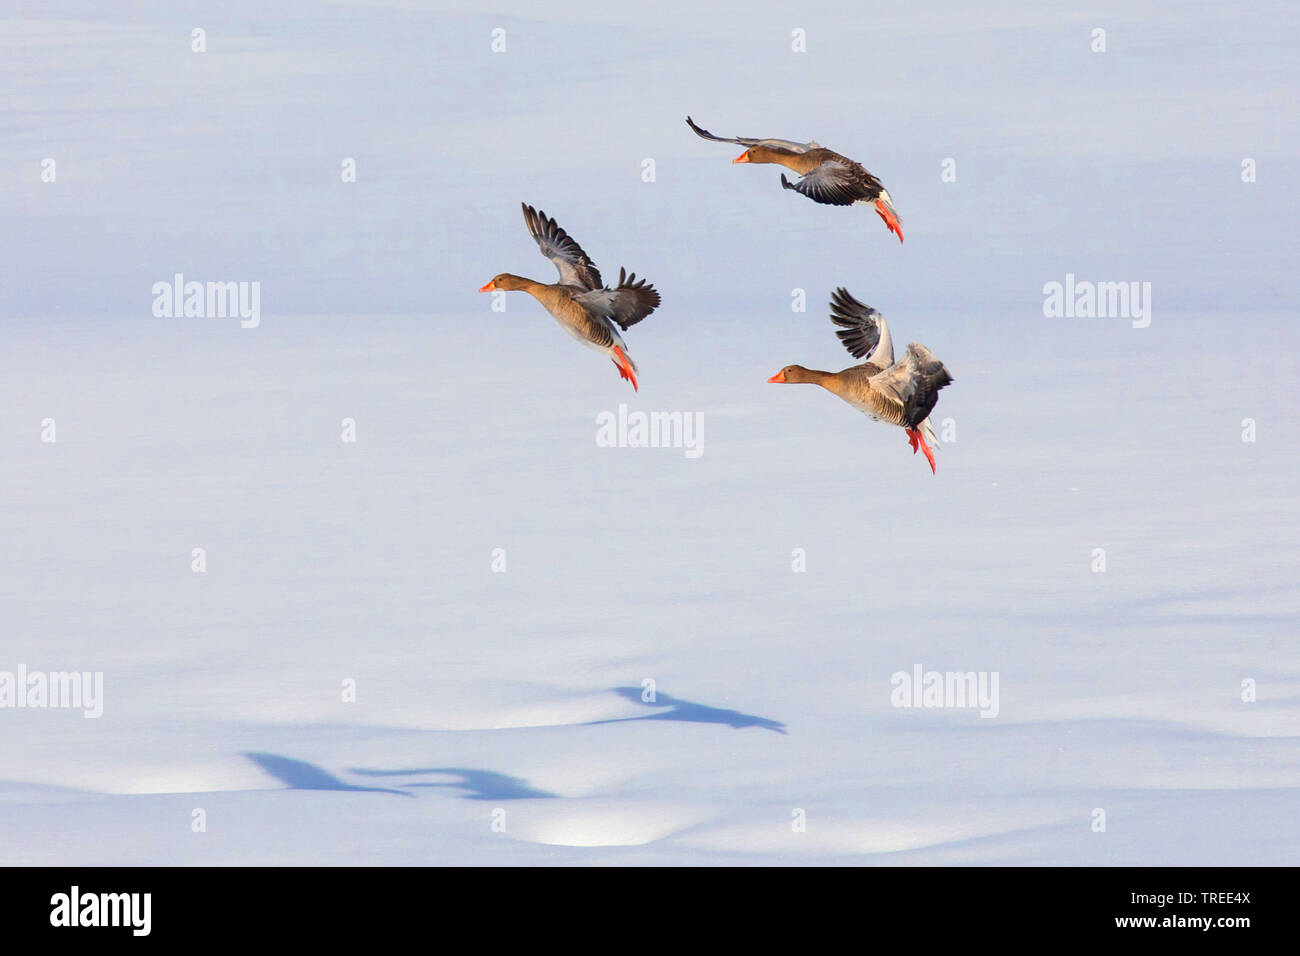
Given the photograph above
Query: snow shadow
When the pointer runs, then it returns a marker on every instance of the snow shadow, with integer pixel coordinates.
(668, 707)
(476, 784)
(300, 775)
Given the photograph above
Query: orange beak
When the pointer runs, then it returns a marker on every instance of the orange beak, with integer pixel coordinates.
(490, 287)
(742, 158)
(778, 377)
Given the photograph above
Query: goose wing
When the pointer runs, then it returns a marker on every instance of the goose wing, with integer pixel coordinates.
(911, 385)
(752, 141)
(836, 182)
(862, 329)
(627, 303)
(574, 265)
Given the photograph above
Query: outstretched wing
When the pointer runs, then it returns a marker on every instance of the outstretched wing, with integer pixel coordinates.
(751, 141)
(912, 384)
(627, 304)
(836, 183)
(862, 329)
(574, 265)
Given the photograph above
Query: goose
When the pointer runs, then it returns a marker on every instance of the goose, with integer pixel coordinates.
(899, 393)
(828, 177)
(585, 308)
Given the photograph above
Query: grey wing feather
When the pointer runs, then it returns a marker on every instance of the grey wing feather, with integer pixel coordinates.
(752, 141)
(832, 183)
(862, 329)
(913, 383)
(574, 265)
(627, 304)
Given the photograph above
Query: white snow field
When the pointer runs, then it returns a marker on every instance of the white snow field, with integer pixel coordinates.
(499, 714)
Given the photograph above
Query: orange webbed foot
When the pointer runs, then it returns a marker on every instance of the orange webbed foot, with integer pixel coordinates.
(624, 366)
(891, 221)
(929, 455)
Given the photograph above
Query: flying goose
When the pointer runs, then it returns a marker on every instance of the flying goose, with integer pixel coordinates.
(828, 177)
(588, 310)
(898, 393)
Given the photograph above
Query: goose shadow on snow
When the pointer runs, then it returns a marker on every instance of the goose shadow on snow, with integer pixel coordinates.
(667, 707)
(479, 784)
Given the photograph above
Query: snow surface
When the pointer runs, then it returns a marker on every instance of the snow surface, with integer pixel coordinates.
(480, 692)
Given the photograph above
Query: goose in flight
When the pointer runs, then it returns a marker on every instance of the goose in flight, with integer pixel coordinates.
(828, 177)
(588, 310)
(899, 393)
